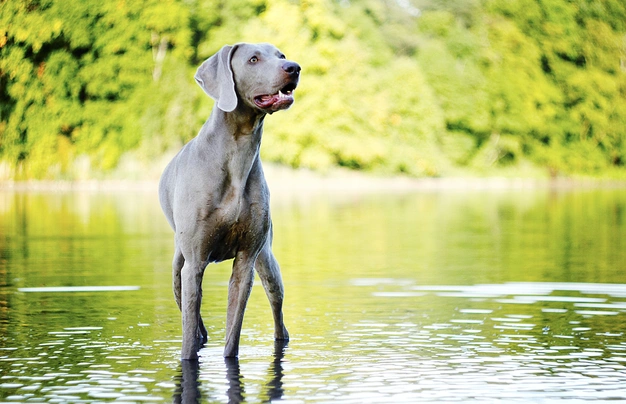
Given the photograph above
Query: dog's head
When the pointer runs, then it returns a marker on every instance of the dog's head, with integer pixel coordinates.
(259, 75)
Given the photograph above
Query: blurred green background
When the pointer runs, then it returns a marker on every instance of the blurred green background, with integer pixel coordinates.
(101, 89)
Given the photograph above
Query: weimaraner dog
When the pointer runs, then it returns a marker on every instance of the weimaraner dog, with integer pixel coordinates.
(214, 193)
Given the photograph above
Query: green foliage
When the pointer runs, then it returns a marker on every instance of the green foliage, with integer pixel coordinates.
(579, 93)
(425, 88)
(78, 76)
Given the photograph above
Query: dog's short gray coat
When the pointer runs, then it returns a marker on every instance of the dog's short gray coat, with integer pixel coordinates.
(214, 193)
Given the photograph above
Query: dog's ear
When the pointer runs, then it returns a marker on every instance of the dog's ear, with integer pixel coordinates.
(215, 76)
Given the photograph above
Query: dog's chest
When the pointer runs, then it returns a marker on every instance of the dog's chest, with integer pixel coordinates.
(238, 226)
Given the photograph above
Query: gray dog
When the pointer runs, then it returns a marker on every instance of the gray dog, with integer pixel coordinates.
(214, 193)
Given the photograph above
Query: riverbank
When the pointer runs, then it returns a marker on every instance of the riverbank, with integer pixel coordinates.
(285, 180)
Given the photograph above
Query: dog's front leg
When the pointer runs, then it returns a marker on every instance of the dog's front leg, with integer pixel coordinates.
(191, 277)
(239, 289)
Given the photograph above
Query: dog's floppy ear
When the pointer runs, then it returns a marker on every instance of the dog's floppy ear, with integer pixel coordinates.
(215, 76)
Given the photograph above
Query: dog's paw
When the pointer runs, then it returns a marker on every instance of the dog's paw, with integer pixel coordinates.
(282, 334)
(189, 356)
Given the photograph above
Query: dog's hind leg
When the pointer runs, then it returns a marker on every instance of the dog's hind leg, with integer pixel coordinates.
(177, 266)
(269, 272)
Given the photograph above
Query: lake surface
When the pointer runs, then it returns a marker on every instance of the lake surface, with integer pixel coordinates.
(501, 295)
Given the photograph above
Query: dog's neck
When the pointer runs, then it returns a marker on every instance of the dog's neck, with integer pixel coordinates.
(235, 137)
(244, 123)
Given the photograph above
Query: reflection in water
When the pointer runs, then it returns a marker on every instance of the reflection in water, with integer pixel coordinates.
(275, 386)
(188, 389)
(429, 296)
(188, 386)
(235, 390)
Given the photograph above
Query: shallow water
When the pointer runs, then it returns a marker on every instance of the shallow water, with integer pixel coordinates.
(446, 296)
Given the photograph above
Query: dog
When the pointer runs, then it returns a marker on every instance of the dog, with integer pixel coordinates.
(214, 194)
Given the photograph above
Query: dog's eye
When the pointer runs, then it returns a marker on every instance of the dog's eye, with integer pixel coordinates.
(254, 59)
(282, 56)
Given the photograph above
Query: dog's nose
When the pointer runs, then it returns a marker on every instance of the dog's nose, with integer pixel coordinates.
(292, 68)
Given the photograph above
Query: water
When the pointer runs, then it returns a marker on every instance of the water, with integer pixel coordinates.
(445, 296)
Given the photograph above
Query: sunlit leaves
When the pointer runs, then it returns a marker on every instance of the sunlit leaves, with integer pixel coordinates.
(419, 87)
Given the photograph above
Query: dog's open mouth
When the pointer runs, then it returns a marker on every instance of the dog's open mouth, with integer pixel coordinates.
(275, 102)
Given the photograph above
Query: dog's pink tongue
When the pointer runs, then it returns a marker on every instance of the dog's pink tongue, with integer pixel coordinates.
(268, 100)
(274, 101)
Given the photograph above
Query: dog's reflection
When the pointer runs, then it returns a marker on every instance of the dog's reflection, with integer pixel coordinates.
(275, 371)
(188, 384)
(235, 390)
